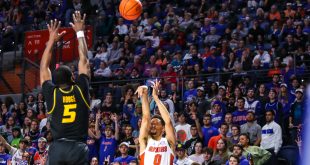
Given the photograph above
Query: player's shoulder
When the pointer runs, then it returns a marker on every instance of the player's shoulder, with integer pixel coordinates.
(48, 84)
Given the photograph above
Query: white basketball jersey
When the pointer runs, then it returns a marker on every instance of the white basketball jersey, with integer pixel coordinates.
(157, 153)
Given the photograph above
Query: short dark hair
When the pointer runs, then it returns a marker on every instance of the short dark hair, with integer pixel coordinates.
(237, 126)
(224, 124)
(272, 111)
(193, 125)
(207, 115)
(246, 135)
(209, 151)
(238, 145)
(241, 98)
(236, 157)
(160, 118)
(62, 75)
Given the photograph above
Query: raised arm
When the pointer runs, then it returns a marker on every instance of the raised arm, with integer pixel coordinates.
(78, 26)
(6, 144)
(98, 133)
(170, 135)
(45, 72)
(196, 119)
(115, 119)
(146, 117)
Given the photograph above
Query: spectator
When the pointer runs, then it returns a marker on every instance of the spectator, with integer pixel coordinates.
(94, 135)
(103, 71)
(271, 136)
(6, 158)
(7, 128)
(114, 53)
(183, 129)
(123, 29)
(94, 161)
(237, 151)
(235, 131)
(213, 37)
(182, 157)
(296, 118)
(164, 98)
(275, 106)
(263, 56)
(220, 155)
(217, 115)
(108, 143)
(289, 12)
(251, 104)
(197, 136)
(252, 129)
(101, 55)
(34, 132)
(239, 116)
(233, 160)
(223, 132)
(260, 156)
(202, 102)
(16, 136)
(128, 139)
(191, 92)
(228, 121)
(16, 153)
(198, 156)
(208, 130)
(40, 156)
(124, 158)
(208, 156)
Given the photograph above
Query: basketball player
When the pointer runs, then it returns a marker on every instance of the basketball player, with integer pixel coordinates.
(67, 100)
(154, 148)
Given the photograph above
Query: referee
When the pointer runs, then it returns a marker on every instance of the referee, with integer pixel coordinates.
(67, 99)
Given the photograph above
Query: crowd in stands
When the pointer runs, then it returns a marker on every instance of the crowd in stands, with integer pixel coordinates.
(232, 77)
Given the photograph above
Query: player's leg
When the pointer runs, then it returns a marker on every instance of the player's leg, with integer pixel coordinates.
(78, 154)
(55, 156)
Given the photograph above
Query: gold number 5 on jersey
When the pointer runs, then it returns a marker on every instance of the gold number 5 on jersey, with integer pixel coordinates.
(69, 116)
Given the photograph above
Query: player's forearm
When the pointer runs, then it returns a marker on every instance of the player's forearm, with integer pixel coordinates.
(163, 111)
(145, 108)
(47, 55)
(82, 50)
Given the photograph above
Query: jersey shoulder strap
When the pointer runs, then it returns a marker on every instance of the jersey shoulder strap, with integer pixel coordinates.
(82, 95)
(54, 102)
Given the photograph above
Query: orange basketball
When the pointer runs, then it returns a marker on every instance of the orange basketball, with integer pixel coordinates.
(130, 9)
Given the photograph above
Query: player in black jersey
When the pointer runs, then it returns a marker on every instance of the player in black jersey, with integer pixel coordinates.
(67, 99)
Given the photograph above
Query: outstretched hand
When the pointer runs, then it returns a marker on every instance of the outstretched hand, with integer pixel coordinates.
(155, 86)
(78, 22)
(142, 90)
(53, 29)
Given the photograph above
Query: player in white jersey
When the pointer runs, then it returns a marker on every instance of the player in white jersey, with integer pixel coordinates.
(154, 148)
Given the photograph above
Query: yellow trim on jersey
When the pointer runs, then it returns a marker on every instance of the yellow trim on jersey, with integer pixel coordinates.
(63, 91)
(83, 97)
(54, 102)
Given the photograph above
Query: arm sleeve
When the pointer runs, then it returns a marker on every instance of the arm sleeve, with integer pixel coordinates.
(259, 131)
(278, 140)
(83, 82)
(265, 155)
(47, 90)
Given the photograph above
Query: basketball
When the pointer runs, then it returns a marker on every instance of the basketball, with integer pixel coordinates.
(130, 9)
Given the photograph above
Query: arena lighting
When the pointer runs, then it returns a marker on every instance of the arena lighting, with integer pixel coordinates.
(305, 148)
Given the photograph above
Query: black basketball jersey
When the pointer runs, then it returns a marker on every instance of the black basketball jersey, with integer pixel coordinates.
(68, 109)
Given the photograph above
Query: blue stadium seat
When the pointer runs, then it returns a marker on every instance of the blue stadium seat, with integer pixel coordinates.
(288, 155)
